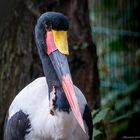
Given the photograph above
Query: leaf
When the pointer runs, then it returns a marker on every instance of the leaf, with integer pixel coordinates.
(96, 132)
(101, 115)
(94, 112)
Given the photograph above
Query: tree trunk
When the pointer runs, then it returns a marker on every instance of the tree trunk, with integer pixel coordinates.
(19, 60)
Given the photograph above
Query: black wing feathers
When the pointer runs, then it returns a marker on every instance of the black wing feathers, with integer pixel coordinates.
(16, 127)
(88, 119)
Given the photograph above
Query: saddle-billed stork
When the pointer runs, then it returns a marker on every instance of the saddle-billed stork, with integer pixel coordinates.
(51, 107)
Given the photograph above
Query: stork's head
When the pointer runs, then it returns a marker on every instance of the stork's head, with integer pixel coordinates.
(51, 40)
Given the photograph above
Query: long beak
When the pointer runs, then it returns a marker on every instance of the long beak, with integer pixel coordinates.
(62, 69)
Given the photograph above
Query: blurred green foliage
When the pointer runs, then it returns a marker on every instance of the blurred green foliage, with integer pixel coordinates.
(98, 116)
(119, 67)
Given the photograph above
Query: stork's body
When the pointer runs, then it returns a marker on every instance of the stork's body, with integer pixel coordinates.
(50, 108)
(42, 124)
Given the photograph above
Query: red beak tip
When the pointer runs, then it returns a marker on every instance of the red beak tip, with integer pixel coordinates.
(72, 99)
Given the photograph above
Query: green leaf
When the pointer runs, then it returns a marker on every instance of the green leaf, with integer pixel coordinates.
(101, 115)
(96, 132)
(94, 112)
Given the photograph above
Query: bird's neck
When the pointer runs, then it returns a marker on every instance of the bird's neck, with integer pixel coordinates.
(57, 96)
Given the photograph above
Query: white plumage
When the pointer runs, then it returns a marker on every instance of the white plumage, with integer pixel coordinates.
(33, 100)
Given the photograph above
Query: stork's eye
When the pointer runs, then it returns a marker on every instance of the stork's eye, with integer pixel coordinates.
(48, 27)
